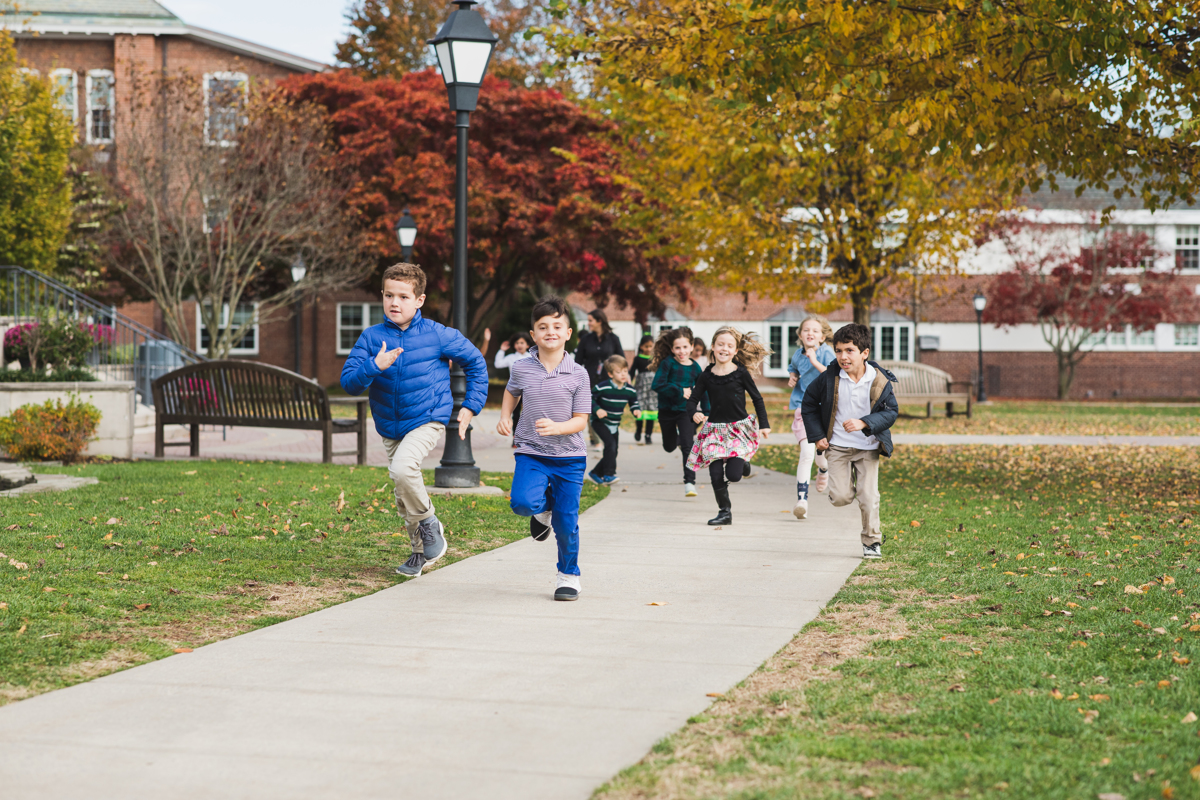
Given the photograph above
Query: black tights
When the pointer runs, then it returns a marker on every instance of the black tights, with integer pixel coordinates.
(678, 430)
(722, 473)
(639, 426)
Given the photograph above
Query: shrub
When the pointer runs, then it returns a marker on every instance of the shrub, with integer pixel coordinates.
(52, 431)
(58, 344)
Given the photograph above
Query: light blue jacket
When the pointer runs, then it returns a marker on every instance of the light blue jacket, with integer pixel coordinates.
(800, 365)
(416, 388)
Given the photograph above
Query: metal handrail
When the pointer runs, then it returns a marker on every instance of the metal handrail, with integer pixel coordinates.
(130, 351)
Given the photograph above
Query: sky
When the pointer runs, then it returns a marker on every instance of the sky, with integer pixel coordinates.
(309, 28)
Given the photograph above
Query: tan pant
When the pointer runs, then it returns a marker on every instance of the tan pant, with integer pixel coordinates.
(854, 474)
(404, 465)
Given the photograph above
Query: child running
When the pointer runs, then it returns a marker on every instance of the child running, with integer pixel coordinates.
(404, 364)
(807, 363)
(551, 450)
(643, 380)
(674, 378)
(729, 438)
(609, 399)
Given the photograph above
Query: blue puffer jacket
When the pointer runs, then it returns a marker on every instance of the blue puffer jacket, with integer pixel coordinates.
(415, 389)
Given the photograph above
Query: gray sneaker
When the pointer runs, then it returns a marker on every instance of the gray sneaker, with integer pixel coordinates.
(412, 568)
(872, 551)
(433, 537)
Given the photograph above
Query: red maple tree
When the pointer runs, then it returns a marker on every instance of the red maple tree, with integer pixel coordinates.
(1075, 293)
(547, 200)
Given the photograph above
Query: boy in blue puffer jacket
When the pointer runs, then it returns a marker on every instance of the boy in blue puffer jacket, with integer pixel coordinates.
(404, 362)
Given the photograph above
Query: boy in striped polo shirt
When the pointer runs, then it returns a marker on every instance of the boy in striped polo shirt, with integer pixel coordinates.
(556, 397)
(609, 399)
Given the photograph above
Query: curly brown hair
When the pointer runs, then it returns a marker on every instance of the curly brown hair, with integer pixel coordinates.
(662, 347)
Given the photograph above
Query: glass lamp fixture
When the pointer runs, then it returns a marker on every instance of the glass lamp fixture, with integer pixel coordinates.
(463, 46)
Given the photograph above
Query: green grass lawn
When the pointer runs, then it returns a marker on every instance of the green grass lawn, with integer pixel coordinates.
(1030, 632)
(1041, 417)
(160, 556)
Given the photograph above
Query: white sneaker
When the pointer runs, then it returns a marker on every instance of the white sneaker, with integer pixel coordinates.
(689, 490)
(568, 587)
(801, 509)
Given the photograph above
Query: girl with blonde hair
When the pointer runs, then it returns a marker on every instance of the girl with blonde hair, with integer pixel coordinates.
(730, 436)
(813, 357)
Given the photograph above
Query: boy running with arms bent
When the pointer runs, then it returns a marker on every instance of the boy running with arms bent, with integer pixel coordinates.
(556, 394)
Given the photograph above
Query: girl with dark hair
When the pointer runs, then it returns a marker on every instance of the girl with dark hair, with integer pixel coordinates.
(504, 360)
(595, 347)
(643, 381)
(676, 374)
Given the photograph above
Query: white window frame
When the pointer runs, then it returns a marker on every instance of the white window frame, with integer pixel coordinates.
(54, 76)
(366, 312)
(1175, 337)
(225, 316)
(209, 77)
(897, 327)
(783, 331)
(1192, 244)
(92, 76)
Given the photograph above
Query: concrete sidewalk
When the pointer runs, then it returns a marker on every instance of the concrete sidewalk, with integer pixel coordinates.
(470, 682)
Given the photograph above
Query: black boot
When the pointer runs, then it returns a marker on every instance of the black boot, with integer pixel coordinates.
(746, 470)
(724, 507)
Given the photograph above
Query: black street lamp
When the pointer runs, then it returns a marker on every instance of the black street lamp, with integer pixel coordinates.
(299, 270)
(980, 301)
(464, 47)
(406, 232)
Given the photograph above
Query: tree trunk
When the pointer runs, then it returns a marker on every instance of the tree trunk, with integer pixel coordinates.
(861, 299)
(1066, 374)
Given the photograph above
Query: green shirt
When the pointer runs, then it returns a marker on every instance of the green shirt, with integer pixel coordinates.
(613, 400)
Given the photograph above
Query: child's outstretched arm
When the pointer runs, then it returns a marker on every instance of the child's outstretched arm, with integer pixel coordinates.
(459, 349)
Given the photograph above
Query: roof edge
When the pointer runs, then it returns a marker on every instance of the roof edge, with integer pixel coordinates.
(228, 42)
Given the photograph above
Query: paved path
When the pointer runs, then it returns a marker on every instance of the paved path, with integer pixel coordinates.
(956, 438)
(469, 682)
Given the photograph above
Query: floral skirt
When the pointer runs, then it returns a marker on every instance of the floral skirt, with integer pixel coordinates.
(719, 440)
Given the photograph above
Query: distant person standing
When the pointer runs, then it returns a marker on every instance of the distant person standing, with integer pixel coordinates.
(505, 359)
(594, 348)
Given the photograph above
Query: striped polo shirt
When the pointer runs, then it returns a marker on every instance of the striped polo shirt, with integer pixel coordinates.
(558, 396)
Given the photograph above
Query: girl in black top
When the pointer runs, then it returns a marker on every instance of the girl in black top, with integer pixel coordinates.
(730, 436)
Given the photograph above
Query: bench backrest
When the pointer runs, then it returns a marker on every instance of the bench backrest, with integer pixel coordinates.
(912, 378)
(240, 393)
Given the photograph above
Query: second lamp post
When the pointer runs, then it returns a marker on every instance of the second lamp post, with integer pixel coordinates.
(463, 47)
(980, 301)
(406, 232)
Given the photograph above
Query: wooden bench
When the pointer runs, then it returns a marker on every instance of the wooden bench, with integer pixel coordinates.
(921, 383)
(253, 395)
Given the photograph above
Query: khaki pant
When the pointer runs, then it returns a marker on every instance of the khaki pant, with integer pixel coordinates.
(855, 473)
(404, 465)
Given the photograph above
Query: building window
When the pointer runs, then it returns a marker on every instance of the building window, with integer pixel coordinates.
(892, 341)
(1187, 247)
(1141, 338)
(99, 106)
(775, 342)
(1187, 335)
(353, 319)
(224, 107)
(66, 84)
(245, 313)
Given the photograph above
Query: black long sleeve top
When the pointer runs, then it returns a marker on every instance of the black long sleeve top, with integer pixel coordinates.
(727, 396)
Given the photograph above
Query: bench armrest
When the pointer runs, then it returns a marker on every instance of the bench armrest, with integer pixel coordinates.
(962, 383)
(347, 401)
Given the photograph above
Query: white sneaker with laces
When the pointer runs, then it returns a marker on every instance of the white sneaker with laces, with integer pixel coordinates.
(567, 588)
(689, 490)
(801, 509)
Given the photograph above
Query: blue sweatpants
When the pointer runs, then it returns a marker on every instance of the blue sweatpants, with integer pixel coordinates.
(552, 484)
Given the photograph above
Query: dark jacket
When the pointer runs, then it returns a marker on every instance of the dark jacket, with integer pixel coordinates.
(819, 408)
(670, 380)
(593, 350)
(416, 388)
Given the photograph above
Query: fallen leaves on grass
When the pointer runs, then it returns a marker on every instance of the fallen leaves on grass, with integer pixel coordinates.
(142, 606)
(1189, 718)
(183, 649)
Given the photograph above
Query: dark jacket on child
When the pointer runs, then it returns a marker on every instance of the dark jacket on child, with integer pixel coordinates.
(671, 379)
(819, 408)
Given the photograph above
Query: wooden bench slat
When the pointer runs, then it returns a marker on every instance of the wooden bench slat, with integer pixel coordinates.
(921, 383)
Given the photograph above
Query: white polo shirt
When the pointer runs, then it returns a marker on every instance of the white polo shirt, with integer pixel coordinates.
(854, 402)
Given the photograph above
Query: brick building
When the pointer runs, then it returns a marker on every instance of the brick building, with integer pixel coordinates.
(942, 331)
(94, 50)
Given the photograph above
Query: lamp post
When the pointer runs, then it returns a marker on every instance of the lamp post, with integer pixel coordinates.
(406, 232)
(980, 301)
(463, 47)
(299, 269)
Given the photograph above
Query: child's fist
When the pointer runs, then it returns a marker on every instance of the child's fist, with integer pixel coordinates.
(764, 432)
(637, 415)
(546, 427)
(793, 378)
(822, 445)
(385, 358)
(852, 425)
(504, 426)
(601, 413)
(698, 418)
(687, 394)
